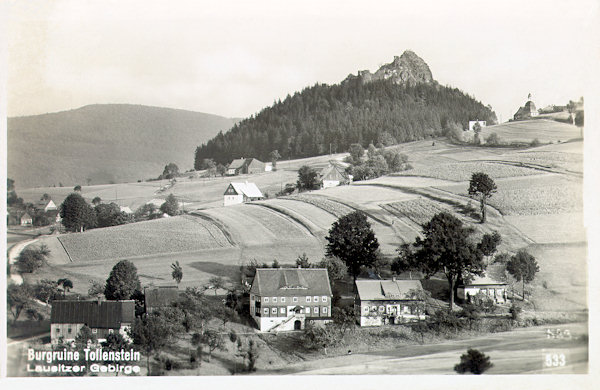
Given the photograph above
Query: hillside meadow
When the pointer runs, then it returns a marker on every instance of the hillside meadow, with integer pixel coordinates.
(537, 207)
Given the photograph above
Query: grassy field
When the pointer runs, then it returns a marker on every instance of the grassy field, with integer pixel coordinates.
(533, 195)
(462, 171)
(531, 207)
(526, 131)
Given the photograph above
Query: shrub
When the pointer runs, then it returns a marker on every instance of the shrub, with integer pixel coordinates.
(535, 142)
(473, 361)
(493, 139)
(515, 312)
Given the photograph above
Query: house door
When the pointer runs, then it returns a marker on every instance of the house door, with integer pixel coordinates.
(297, 325)
(392, 320)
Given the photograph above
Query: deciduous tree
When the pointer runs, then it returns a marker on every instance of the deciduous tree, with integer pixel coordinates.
(177, 272)
(523, 267)
(170, 206)
(446, 248)
(483, 187)
(308, 179)
(171, 171)
(32, 258)
(151, 333)
(18, 298)
(76, 214)
(353, 241)
(122, 282)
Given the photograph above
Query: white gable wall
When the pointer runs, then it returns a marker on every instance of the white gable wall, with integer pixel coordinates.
(229, 200)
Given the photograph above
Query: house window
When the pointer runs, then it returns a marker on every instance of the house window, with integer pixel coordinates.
(295, 299)
(316, 310)
(94, 330)
(308, 299)
(282, 310)
(282, 299)
(324, 298)
(266, 299)
(315, 299)
(373, 308)
(366, 309)
(274, 299)
(381, 309)
(266, 310)
(69, 330)
(251, 297)
(324, 310)
(274, 310)
(111, 331)
(57, 330)
(307, 310)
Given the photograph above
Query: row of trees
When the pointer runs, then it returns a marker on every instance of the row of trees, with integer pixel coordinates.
(78, 215)
(380, 161)
(325, 118)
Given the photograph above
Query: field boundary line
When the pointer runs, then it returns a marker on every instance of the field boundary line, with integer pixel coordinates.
(65, 248)
(218, 241)
(217, 224)
(288, 214)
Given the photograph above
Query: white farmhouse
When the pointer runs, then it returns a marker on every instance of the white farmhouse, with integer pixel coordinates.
(472, 123)
(287, 298)
(391, 302)
(334, 175)
(489, 287)
(237, 193)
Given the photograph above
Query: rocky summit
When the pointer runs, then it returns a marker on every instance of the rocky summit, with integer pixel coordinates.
(409, 69)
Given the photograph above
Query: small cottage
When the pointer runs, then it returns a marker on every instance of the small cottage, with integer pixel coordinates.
(286, 298)
(102, 317)
(46, 205)
(237, 193)
(334, 175)
(489, 287)
(241, 166)
(26, 220)
(393, 301)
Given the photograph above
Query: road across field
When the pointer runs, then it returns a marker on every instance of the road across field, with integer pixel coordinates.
(522, 351)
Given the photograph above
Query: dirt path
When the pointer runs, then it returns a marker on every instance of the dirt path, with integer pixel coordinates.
(13, 254)
(522, 351)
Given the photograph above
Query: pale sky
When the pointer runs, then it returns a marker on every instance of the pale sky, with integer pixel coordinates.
(233, 58)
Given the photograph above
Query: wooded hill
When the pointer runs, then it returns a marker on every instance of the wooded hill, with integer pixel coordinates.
(321, 117)
(105, 143)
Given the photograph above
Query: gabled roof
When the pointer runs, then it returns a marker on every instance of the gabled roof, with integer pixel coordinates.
(26, 216)
(483, 280)
(93, 313)
(160, 296)
(333, 172)
(386, 289)
(254, 162)
(248, 189)
(237, 163)
(291, 281)
(42, 204)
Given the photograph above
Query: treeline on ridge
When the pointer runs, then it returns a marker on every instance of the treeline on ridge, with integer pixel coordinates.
(321, 117)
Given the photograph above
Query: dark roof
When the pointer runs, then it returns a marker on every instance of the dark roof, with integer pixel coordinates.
(291, 281)
(95, 314)
(237, 163)
(160, 296)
